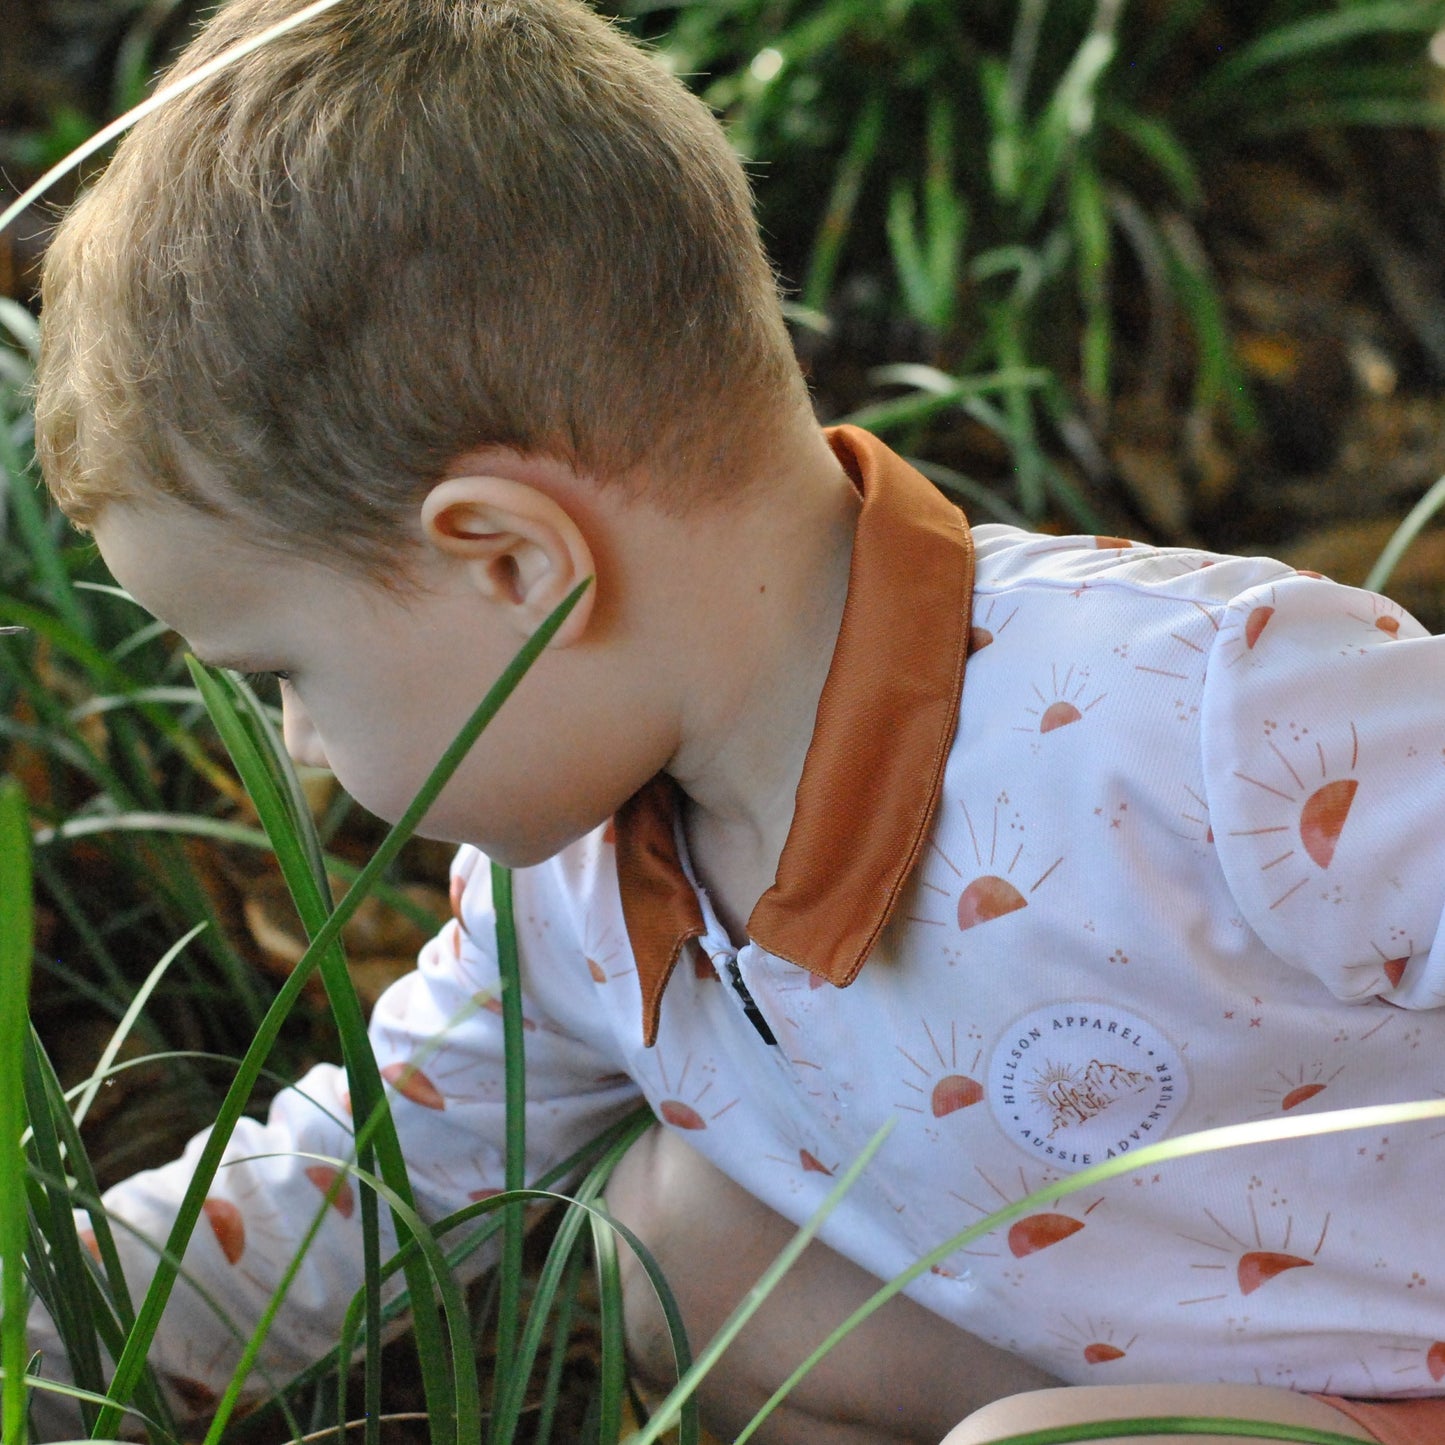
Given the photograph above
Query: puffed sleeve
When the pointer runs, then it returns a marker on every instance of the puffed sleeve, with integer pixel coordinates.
(437, 1036)
(1323, 735)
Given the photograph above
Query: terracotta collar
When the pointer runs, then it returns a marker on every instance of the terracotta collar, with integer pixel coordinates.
(873, 770)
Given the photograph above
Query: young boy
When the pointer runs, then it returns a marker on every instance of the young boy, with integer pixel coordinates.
(360, 357)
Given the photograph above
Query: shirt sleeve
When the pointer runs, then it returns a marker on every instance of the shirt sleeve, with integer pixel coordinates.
(1323, 736)
(437, 1037)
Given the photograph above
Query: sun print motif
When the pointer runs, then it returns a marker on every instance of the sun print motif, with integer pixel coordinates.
(803, 1156)
(1249, 1257)
(689, 1098)
(1383, 972)
(439, 1072)
(242, 1233)
(1380, 621)
(1412, 1365)
(1183, 660)
(935, 1084)
(1005, 881)
(1286, 1091)
(1315, 793)
(1064, 703)
(990, 624)
(1194, 815)
(1244, 628)
(606, 954)
(1053, 1225)
(1096, 1342)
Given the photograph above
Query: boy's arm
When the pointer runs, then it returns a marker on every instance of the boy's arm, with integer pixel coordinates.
(437, 1035)
(1323, 729)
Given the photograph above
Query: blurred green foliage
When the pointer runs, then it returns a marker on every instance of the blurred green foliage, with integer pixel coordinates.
(1003, 164)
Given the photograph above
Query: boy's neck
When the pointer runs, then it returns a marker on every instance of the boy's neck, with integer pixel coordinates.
(763, 627)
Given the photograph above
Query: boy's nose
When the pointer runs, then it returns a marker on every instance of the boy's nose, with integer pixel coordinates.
(302, 740)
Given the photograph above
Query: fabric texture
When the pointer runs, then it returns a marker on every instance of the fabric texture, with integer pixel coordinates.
(1184, 866)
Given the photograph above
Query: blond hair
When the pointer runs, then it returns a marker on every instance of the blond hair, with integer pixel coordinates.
(404, 230)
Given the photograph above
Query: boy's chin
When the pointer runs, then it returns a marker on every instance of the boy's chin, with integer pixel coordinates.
(508, 852)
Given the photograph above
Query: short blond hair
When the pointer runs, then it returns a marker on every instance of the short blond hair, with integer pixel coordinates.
(404, 230)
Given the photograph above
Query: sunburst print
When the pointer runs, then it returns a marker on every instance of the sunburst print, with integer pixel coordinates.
(1412, 1365)
(803, 1155)
(1033, 1233)
(990, 624)
(240, 1230)
(1183, 659)
(1244, 628)
(935, 1083)
(607, 957)
(1315, 793)
(1096, 1342)
(1289, 1090)
(1379, 617)
(689, 1101)
(1008, 882)
(1243, 1260)
(1195, 817)
(1065, 702)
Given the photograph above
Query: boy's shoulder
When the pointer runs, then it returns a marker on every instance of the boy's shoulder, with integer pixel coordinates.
(1009, 557)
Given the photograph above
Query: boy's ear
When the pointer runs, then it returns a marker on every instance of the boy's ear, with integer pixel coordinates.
(523, 551)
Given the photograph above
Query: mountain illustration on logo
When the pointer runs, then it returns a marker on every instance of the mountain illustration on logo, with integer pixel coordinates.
(1074, 1097)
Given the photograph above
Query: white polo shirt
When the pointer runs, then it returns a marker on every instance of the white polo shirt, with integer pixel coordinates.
(1173, 857)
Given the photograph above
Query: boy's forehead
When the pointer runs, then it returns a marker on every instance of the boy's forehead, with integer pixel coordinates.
(185, 568)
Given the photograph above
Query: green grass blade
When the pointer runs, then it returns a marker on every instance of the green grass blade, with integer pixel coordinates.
(121, 1032)
(201, 827)
(665, 1416)
(199, 76)
(509, 1295)
(1307, 38)
(1153, 1426)
(1404, 536)
(1204, 1141)
(17, 942)
(612, 1367)
(852, 170)
(254, 750)
(148, 1317)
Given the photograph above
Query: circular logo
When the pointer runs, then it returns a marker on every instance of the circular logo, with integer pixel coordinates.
(1075, 1084)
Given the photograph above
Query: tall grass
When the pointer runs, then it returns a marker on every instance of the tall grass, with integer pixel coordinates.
(1003, 171)
(102, 724)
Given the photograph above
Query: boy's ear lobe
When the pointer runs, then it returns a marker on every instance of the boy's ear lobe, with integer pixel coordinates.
(523, 551)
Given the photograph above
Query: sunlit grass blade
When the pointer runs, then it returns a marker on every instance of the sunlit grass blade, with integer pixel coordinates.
(1153, 1426)
(665, 1416)
(566, 1293)
(1204, 1141)
(121, 124)
(192, 825)
(270, 783)
(17, 941)
(467, 1424)
(393, 1167)
(1404, 536)
(118, 1037)
(564, 1260)
(87, 1315)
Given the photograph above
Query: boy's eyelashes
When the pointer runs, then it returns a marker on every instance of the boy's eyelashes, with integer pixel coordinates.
(260, 679)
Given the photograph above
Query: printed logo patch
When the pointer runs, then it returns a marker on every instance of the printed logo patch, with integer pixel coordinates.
(1076, 1084)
